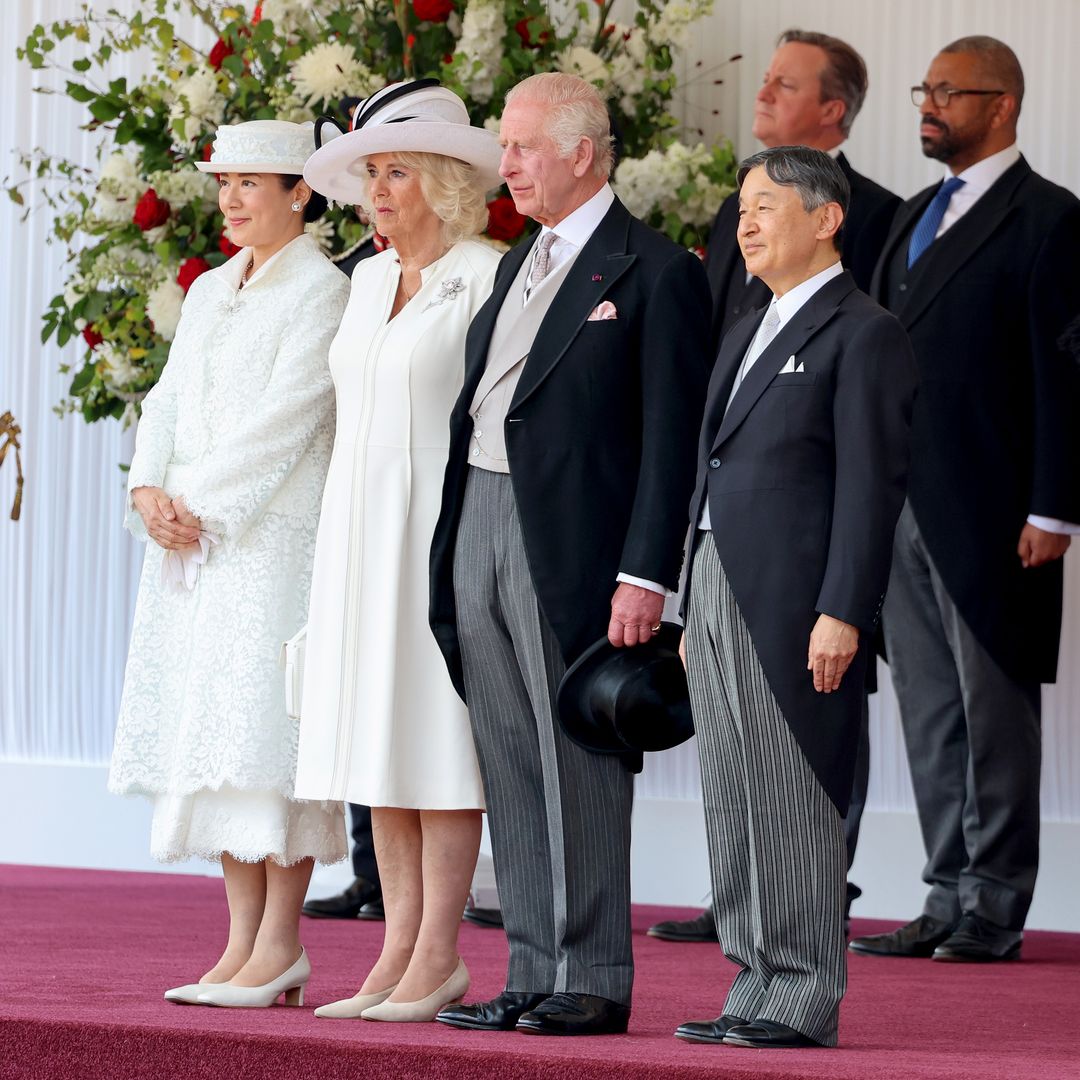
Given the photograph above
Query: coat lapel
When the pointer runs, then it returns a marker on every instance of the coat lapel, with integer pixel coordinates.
(944, 259)
(908, 213)
(600, 263)
(732, 350)
(807, 321)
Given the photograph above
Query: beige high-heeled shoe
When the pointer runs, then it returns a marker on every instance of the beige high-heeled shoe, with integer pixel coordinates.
(351, 1008)
(186, 995)
(291, 983)
(454, 989)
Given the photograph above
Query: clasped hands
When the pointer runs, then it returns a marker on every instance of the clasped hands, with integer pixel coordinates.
(168, 522)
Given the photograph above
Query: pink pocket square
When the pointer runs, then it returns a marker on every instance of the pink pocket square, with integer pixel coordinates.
(602, 311)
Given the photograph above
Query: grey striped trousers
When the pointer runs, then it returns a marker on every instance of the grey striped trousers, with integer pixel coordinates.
(776, 841)
(559, 816)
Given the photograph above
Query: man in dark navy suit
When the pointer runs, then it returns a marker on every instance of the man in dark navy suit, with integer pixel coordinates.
(982, 271)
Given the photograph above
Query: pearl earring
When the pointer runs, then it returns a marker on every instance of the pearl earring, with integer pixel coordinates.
(297, 207)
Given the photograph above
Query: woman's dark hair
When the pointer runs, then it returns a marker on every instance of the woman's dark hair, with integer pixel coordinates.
(316, 205)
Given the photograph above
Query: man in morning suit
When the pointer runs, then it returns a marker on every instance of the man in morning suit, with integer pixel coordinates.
(982, 270)
(801, 472)
(571, 447)
(810, 96)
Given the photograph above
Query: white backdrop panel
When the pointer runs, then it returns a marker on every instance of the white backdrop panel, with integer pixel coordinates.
(68, 572)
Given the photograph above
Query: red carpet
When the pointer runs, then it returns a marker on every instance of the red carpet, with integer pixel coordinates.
(86, 955)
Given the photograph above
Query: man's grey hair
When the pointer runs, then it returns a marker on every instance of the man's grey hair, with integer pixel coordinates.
(578, 111)
(812, 173)
(997, 61)
(844, 76)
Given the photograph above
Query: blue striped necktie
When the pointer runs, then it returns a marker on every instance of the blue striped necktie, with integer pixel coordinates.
(923, 234)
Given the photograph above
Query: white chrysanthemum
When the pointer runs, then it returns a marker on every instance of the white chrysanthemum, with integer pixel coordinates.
(323, 231)
(197, 104)
(481, 45)
(163, 307)
(583, 62)
(118, 371)
(672, 26)
(330, 71)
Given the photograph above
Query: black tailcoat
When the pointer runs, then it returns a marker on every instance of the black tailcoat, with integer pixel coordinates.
(805, 476)
(866, 228)
(600, 434)
(996, 429)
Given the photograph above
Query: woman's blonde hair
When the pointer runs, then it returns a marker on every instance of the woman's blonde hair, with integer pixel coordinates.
(452, 189)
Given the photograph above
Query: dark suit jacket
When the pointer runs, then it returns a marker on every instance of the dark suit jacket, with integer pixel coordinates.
(866, 229)
(996, 430)
(805, 476)
(600, 433)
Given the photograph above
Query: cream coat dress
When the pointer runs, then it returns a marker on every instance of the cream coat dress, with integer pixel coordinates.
(241, 425)
(381, 723)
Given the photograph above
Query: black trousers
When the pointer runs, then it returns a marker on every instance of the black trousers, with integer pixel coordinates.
(363, 852)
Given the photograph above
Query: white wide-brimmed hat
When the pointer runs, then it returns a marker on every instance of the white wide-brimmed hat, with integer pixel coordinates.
(420, 116)
(261, 146)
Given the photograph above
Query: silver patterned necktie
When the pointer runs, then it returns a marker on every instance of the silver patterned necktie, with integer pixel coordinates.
(769, 326)
(541, 261)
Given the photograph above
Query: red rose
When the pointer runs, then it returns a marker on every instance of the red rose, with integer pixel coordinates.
(256, 15)
(433, 10)
(208, 151)
(219, 52)
(504, 222)
(228, 248)
(150, 211)
(190, 269)
(91, 336)
(523, 31)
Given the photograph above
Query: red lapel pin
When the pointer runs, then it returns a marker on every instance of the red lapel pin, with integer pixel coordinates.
(598, 277)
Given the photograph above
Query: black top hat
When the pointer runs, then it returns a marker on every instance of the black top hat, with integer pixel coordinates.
(619, 700)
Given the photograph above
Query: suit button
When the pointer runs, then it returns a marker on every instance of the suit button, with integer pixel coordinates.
(903, 288)
(714, 463)
(736, 310)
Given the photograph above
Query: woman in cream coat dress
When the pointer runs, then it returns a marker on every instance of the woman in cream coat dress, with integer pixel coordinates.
(227, 477)
(381, 724)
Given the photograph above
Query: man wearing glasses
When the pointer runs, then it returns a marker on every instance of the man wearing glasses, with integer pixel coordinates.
(982, 271)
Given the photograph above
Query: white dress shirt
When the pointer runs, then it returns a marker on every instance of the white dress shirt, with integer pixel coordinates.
(787, 307)
(978, 180)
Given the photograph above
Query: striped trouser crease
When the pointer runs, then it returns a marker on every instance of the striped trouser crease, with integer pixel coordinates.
(776, 841)
(559, 816)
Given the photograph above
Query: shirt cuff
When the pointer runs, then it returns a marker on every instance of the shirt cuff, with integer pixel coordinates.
(1054, 525)
(643, 583)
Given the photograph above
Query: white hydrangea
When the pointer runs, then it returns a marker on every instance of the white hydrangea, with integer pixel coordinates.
(118, 371)
(323, 231)
(122, 263)
(493, 123)
(481, 46)
(75, 288)
(671, 181)
(163, 305)
(577, 60)
(183, 187)
(289, 105)
(118, 190)
(628, 70)
(672, 26)
(197, 104)
(293, 16)
(330, 71)
(121, 174)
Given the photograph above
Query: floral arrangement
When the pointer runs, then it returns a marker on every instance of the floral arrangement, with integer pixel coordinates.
(144, 224)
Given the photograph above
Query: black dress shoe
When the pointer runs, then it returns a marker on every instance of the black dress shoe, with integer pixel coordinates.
(708, 1031)
(346, 905)
(499, 1014)
(490, 918)
(917, 938)
(700, 928)
(978, 941)
(768, 1035)
(372, 911)
(575, 1014)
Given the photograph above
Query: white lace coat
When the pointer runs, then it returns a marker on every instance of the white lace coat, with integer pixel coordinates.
(241, 424)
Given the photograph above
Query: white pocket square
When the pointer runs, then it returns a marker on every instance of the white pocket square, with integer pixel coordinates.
(790, 369)
(602, 311)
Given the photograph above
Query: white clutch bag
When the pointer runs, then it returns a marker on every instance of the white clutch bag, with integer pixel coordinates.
(292, 660)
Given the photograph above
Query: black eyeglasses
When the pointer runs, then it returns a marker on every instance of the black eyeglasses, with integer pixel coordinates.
(941, 96)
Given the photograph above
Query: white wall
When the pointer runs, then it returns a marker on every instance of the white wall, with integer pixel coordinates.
(62, 642)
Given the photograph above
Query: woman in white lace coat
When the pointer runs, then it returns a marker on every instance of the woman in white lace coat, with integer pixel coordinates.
(226, 481)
